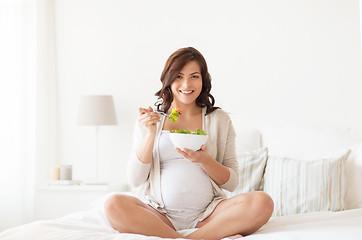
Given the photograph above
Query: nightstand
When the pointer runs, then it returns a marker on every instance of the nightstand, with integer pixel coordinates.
(58, 201)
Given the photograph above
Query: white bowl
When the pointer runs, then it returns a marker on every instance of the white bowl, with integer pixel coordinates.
(189, 141)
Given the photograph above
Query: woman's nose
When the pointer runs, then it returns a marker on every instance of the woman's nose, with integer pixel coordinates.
(185, 83)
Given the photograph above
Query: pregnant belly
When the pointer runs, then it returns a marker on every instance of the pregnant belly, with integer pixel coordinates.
(185, 186)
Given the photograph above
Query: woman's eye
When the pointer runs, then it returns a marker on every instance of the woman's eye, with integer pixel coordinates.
(195, 76)
(179, 76)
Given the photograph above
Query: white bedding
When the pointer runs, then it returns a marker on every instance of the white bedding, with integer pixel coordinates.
(89, 225)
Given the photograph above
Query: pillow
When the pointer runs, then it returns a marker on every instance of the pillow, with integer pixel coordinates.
(298, 186)
(251, 169)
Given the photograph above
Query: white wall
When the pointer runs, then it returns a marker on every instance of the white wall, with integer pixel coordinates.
(272, 63)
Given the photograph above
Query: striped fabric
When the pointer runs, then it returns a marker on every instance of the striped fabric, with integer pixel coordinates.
(251, 170)
(306, 186)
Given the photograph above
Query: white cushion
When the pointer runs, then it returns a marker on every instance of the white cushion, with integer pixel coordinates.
(305, 143)
(251, 169)
(299, 186)
(354, 178)
(247, 139)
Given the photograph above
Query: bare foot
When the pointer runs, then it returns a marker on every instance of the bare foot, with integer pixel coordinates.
(237, 236)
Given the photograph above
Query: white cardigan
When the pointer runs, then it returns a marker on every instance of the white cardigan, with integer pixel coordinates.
(220, 145)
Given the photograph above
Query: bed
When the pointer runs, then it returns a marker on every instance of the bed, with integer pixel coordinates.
(92, 225)
(314, 176)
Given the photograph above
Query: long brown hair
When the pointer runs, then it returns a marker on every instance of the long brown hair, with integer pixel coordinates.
(172, 68)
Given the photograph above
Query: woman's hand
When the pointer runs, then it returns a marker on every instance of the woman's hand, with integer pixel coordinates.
(149, 119)
(199, 156)
(216, 171)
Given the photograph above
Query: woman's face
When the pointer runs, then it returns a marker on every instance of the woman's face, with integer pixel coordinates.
(188, 84)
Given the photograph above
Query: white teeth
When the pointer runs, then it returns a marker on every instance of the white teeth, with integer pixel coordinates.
(187, 92)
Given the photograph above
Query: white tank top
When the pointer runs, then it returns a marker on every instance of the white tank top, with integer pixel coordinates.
(185, 186)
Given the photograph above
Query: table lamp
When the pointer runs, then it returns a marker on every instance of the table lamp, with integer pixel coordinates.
(96, 110)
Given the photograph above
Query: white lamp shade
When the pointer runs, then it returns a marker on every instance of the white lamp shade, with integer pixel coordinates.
(96, 110)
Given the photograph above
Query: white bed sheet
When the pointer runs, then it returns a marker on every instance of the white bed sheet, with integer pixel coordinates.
(92, 224)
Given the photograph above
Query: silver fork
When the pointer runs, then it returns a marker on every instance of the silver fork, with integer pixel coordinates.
(162, 113)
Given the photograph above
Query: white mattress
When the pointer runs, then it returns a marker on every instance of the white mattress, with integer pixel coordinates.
(92, 224)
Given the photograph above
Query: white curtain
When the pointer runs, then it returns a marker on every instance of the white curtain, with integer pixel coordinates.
(27, 127)
(17, 106)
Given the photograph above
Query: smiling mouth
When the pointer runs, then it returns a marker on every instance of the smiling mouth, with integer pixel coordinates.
(186, 91)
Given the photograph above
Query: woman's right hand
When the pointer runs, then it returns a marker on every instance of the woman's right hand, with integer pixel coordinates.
(148, 118)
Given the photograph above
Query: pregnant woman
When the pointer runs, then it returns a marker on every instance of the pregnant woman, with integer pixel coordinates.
(180, 188)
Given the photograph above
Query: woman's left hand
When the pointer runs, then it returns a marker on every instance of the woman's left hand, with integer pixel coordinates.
(199, 156)
(216, 171)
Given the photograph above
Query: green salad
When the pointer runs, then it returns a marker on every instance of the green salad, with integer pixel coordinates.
(174, 115)
(184, 131)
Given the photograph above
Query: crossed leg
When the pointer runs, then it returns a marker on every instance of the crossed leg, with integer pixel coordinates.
(242, 214)
(128, 214)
